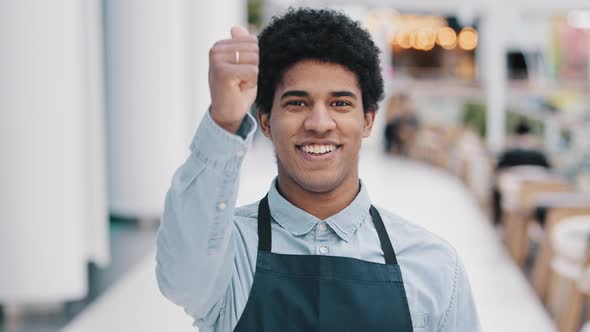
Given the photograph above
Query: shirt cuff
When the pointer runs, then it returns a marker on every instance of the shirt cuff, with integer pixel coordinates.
(218, 147)
(247, 126)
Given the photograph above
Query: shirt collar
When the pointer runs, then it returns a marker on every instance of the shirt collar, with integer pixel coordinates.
(298, 222)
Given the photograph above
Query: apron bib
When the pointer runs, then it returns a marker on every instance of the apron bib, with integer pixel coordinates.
(307, 293)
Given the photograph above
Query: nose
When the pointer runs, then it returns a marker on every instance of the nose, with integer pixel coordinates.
(319, 120)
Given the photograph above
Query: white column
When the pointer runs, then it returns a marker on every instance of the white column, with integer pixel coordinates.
(588, 65)
(95, 208)
(157, 91)
(494, 74)
(42, 253)
(145, 102)
(207, 22)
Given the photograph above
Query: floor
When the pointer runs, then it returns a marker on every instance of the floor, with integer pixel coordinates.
(129, 245)
(422, 194)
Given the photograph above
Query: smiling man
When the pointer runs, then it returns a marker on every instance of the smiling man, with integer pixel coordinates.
(313, 254)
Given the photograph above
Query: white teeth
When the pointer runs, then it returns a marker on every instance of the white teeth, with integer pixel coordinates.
(318, 149)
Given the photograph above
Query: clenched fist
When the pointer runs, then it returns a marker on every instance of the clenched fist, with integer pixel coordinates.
(233, 76)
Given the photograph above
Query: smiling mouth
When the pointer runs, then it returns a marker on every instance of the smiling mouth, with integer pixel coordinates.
(318, 149)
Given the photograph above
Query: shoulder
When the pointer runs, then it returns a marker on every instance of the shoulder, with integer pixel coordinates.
(249, 211)
(430, 265)
(245, 221)
(408, 237)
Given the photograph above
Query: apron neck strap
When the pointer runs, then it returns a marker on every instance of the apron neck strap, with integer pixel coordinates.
(264, 230)
(265, 233)
(386, 246)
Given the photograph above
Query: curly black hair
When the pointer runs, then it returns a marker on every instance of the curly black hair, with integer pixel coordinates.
(323, 35)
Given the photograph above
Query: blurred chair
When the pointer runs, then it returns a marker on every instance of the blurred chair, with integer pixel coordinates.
(523, 149)
(517, 221)
(508, 181)
(430, 145)
(541, 268)
(470, 161)
(569, 284)
(516, 207)
(547, 201)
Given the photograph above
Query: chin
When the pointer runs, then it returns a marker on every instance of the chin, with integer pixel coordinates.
(319, 182)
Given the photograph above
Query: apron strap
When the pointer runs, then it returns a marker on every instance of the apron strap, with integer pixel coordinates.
(265, 233)
(386, 246)
(264, 230)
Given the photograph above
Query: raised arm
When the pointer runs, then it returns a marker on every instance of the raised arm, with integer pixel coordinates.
(195, 250)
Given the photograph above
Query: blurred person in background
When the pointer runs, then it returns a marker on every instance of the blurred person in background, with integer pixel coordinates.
(313, 254)
(401, 125)
(524, 148)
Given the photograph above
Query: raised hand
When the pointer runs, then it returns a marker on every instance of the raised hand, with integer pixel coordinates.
(233, 76)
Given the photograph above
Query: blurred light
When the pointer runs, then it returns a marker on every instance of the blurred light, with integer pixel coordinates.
(390, 33)
(468, 39)
(417, 31)
(377, 21)
(405, 39)
(429, 46)
(579, 19)
(424, 39)
(447, 38)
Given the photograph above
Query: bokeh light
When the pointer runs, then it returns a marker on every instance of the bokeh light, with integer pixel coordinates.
(447, 38)
(425, 39)
(468, 39)
(405, 39)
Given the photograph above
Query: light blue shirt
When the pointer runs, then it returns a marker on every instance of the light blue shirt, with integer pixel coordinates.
(207, 247)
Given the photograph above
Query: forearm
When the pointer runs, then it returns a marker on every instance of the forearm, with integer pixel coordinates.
(195, 248)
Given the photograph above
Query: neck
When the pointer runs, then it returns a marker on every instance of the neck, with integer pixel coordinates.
(319, 204)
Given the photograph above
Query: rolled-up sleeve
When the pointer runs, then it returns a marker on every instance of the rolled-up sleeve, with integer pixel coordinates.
(194, 248)
(461, 313)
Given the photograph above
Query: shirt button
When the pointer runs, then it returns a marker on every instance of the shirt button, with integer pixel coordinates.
(323, 250)
(323, 227)
(240, 153)
(221, 206)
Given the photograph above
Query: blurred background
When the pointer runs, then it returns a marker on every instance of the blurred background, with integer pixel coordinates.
(483, 138)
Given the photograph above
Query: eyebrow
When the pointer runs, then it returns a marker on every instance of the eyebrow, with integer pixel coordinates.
(343, 94)
(294, 93)
(300, 93)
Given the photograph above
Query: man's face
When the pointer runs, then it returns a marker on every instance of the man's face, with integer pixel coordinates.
(317, 124)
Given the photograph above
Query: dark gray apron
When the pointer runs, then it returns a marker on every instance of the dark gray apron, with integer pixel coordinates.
(307, 293)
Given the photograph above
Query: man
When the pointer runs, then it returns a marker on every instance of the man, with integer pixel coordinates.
(524, 149)
(314, 254)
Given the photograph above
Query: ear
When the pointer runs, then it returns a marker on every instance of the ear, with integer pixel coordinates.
(369, 121)
(264, 121)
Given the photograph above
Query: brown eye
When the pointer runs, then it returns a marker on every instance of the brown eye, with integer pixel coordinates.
(341, 103)
(296, 103)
